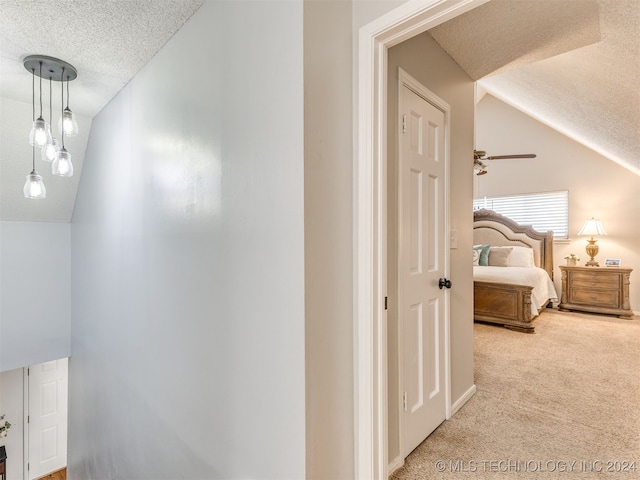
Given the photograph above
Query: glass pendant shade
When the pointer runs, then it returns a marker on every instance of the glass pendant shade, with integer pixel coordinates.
(34, 186)
(62, 165)
(68, 121)
(48, 153)
(40, 133)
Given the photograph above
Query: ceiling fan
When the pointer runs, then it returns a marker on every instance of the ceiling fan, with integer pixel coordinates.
(479, 155)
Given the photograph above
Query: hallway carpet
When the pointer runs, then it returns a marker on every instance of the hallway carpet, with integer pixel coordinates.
(561, 403)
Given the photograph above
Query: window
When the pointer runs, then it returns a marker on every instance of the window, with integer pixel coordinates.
(543, 211)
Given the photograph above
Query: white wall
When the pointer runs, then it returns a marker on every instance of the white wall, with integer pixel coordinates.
(597, 186)
(188, 261)
(35, 297)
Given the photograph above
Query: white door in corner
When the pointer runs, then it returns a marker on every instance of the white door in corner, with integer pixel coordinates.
(47, 412)
(422, 262)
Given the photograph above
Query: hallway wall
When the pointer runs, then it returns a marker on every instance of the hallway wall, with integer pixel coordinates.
(35, 293)
(187, 261)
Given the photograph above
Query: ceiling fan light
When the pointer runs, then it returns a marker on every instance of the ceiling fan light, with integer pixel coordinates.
(69, 123)
(62, 165)
(40, 133)
(34, 186)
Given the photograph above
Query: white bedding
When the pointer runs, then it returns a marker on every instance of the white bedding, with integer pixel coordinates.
(535, 277)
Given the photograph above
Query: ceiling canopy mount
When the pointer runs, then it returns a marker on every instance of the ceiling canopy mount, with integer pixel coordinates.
(52, 68)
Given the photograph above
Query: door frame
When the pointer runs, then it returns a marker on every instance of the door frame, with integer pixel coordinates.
(369, 236)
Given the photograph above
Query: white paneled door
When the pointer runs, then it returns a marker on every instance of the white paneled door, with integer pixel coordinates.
(47, 407)
(422, 190)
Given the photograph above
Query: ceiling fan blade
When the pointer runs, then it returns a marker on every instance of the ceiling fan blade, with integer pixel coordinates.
(504, 157)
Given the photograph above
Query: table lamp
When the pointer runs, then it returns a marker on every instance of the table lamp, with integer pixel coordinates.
(592, 228)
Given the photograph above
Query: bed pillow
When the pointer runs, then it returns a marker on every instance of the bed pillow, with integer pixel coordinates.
(481, 255)
(499, 256)
(521, 257)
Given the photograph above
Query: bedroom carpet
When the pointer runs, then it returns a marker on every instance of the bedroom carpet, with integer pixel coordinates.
(561, 403)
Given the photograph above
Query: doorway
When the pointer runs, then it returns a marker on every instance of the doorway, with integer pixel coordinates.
(46, 406)
(38, 414)
(370, 339)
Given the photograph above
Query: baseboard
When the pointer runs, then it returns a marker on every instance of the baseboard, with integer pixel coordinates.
(395, 464)
(463, 399)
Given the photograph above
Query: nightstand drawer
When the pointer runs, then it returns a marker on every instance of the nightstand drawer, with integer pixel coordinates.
(593, 279)
(601, 298)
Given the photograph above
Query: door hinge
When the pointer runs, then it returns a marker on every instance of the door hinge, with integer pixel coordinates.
(28, 418)
(404, 401)
(404, 123)
(386, 302)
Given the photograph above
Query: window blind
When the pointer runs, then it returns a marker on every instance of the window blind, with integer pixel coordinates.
(543, 211)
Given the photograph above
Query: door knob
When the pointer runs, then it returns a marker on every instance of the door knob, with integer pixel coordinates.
(444, 282)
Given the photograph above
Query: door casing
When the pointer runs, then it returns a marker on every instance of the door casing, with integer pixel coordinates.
(370, 284)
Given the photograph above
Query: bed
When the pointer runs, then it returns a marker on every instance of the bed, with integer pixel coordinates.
(517, 283)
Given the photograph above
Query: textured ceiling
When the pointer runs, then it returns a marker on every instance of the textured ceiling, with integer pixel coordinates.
(108, 42)
(572, 64)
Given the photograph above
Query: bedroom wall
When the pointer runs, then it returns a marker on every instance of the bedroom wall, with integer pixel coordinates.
(597, 186)
(188, 260)
(35, 293)
(424, 60)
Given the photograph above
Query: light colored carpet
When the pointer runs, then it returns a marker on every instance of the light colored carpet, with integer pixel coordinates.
(561, 403)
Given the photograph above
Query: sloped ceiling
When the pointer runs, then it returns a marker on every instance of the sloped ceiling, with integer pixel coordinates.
(108, 42)
(573, 65)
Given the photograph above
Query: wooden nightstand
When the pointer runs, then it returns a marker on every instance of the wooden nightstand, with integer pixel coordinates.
(596, 289)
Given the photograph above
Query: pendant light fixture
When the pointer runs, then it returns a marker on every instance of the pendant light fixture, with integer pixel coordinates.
(53, 69)
(34, 186)
(62, 165)
(50, 149)
(40, 133)
(67, 121)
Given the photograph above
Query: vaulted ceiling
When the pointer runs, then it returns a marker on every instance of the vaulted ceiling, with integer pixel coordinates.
(572, 64)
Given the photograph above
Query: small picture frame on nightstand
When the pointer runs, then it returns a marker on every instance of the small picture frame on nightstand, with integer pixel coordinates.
(612, 262)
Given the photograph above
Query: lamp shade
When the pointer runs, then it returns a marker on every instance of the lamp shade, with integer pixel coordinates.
(62, 165)
(34, 186)
(40, 134)
(592, 228)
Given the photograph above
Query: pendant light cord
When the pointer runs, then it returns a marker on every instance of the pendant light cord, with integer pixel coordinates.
(33, 94)
(40, 88)
(67, 91)
(50, 106)
(62, 107)
(33, 114)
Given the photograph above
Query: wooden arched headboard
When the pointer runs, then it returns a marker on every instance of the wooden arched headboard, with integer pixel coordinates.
(492, 228)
